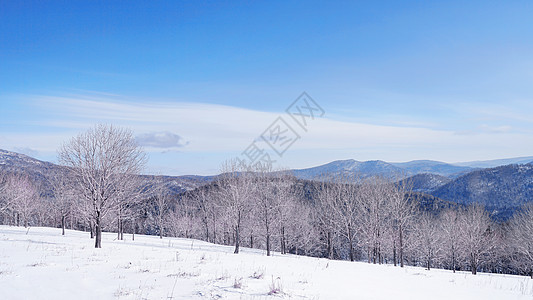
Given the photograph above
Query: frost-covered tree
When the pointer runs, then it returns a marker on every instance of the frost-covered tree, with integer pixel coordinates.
(161, 198)
(373, 218)
(101, 162)
(521, 237)
(22, 197)
(324, 216)
(269, 194)
(476, 235)
(205, 199)
(63, 198)
(429, 240)
(450, 239)
(344, 203)
(401, 212)
(237, 186)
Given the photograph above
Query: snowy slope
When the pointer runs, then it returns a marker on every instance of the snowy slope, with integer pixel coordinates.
(42, 264)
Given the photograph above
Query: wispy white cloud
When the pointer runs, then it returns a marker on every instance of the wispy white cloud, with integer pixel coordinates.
(192, 128)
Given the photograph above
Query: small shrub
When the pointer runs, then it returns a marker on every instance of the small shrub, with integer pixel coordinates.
(237, 283)
(275, 287)
(259, 274)
(184, 275)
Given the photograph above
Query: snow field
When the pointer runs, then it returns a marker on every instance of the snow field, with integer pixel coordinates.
(39, 263)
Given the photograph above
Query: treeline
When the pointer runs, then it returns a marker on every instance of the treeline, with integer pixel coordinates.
(373, 220)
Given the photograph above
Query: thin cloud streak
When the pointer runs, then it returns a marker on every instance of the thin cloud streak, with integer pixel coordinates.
(183, 129)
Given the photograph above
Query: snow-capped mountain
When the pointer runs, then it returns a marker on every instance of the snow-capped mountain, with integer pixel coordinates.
(432, 167)
(8, 158)
(38, 170)
(350, 167)
(371, 168)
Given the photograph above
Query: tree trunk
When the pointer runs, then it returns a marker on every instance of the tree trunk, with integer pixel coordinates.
(98, 225)
(268, 243)
(214, 230)
(118, 227)
(453, 260)
(380, 255)
(133, 226)
(352, 256)
(121, 230)
(473, 264)
(91, 228)
(160, 227)
(428, 262)
(63, 225)
(394, 252)
(401, 246)
(237, 239)
(206, 230)
(330, 246)
(283, 245)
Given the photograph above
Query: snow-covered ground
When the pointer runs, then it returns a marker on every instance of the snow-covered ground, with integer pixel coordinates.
(39, 263)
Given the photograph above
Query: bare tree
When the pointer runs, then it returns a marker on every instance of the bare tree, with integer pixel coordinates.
(161, 201)
(236, 184)
(102, 161)
(22, 196)
(324, 215)
(271, 191)
(62, 199)
(344, 202)
(475, 235)
(401, 213)
(129, 194)
(449, 231)
(183, 219)
(522, 237)
(429, 239)
(292, 218)
(297, 231)
(373, 216)
(204, 197)
(3, 192)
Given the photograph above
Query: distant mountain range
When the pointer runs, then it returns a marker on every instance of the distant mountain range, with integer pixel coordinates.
(380, 168)
(497, 162)
(38, 170)
(502, 187)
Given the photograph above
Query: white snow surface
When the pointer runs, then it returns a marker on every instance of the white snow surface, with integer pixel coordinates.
(40, 263)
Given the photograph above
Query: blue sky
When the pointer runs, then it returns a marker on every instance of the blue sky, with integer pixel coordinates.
(198, 82)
